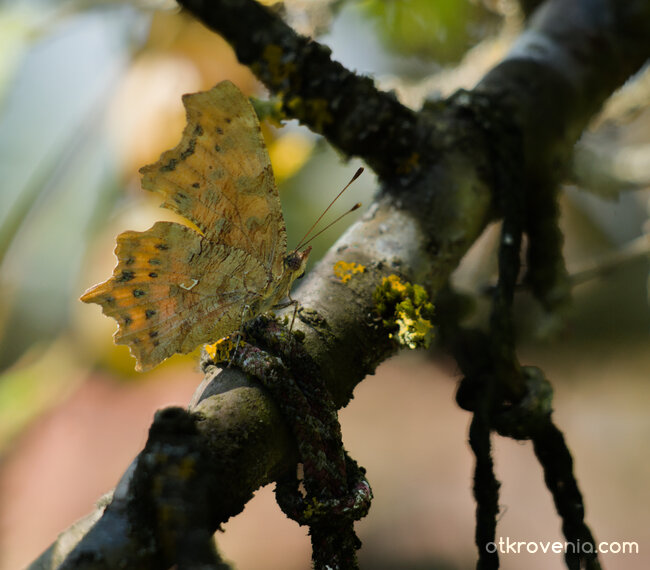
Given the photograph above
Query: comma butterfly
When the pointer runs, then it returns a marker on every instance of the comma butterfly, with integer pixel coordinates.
(175, 287)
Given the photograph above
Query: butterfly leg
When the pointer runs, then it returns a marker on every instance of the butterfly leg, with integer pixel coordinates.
(245, 308)
(295, 310)
(286, 304)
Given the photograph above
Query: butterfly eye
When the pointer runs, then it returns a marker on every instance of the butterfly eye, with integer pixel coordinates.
(292, 261)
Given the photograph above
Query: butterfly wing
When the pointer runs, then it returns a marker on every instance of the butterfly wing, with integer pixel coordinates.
(220, 178)
(174, 287)
(173, 290)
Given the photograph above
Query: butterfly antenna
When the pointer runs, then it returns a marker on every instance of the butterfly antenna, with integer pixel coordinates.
(328, 226)
(302, 241)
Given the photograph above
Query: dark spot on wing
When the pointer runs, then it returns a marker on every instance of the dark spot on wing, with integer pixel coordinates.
(149, 313)
(153, 334)
(198, 130)
(155, 261)
(156, 342)
(219, 131)
(125, 276)
(161, 246)
(171, 165)
(189, 151)
(217, 148)
(196, 185)
(129, 261)
(153, 274)
(127, 320)
(138, 293)
(228, 120)
(109, 299)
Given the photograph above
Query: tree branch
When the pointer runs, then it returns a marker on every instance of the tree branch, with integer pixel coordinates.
(572, 57)
(317, 91)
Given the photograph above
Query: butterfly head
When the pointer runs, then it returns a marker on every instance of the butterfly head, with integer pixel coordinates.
(296, 261)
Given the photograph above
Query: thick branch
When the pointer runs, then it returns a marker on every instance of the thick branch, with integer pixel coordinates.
(559, 74)
(317, 91)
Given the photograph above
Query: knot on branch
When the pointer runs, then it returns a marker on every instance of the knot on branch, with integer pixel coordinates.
(352, 505)
(336, 490)
(521, 419)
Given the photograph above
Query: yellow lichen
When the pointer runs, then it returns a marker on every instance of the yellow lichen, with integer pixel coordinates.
(406, 312)
(280, 70)
(392, 283)
(220, 350)
(313, 508)
(344, 270)
(410, 164)
(315, 109)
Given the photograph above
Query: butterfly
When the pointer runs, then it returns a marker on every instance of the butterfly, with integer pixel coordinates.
(176, 287)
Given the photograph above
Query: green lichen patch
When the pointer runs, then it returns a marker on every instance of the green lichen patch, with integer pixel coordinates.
(406, 312)
(279, 69)
(315, 110)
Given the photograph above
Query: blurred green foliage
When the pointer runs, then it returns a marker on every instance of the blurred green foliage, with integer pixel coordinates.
(441, 30)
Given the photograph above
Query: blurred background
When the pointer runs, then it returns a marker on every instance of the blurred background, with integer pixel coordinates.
(90, 91)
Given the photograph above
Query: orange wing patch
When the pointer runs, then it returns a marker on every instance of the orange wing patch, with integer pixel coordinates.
(175, 288)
